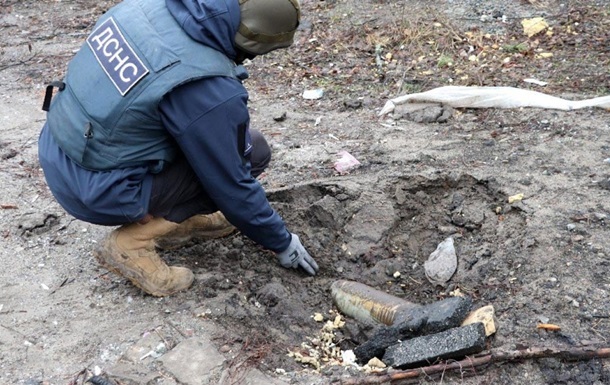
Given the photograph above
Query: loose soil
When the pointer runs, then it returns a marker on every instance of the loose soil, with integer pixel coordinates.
(543, 259)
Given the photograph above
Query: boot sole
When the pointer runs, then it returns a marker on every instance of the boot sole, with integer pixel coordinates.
(103, 259)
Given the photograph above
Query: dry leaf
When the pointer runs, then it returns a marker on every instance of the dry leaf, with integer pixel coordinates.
(533, 26)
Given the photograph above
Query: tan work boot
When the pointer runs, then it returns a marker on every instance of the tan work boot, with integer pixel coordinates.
(130, 251)
(200, 227)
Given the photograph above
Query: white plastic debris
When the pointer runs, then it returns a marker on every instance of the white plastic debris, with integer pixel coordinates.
(442, 263)
(348, 357)
(493, 97)
(313, 94)
(345, 163)
(157, 352)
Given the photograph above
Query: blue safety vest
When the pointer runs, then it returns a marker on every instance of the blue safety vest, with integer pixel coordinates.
(106, 116)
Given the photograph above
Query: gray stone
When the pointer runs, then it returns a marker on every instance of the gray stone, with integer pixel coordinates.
(194, 361)
(442, 263)
(37, 223)
(430, 114)
(452, 343)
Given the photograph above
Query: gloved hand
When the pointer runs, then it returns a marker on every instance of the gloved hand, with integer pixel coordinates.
(296, 255)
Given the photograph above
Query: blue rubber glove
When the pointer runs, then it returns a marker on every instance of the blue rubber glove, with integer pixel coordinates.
(296, 255)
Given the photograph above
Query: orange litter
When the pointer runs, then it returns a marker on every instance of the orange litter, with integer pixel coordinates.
(549, 327)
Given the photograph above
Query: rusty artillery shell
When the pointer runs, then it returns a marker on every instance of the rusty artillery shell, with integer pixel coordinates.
(366, 304)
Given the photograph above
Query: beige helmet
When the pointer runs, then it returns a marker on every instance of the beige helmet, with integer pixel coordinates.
(267, 25)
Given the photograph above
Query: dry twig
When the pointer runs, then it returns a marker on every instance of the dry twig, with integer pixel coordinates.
(575, 354)
(20, 62)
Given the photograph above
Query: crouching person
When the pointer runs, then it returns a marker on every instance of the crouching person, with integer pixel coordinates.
(149, 131)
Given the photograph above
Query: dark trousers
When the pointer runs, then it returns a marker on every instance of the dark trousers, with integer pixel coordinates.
(177, 193)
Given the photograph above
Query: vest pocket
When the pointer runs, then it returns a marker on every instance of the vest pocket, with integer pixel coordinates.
(69, 126)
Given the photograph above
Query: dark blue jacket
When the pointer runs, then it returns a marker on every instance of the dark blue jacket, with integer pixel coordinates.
(204, 117)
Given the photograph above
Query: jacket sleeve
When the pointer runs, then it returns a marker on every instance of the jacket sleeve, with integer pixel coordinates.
(205, 117)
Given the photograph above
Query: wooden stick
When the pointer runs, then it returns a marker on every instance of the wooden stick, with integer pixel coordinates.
(575, 354)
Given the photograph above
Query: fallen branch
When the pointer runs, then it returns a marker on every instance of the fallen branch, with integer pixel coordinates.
(575, 354)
